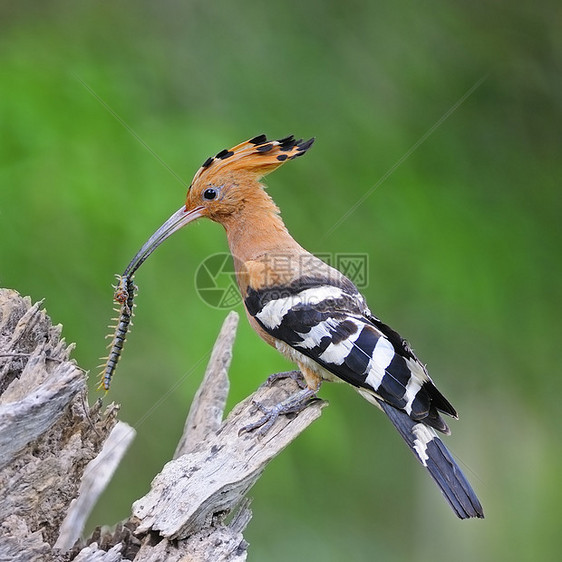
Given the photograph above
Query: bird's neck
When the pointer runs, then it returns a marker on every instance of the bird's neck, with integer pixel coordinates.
(264, 252)
(257, 231)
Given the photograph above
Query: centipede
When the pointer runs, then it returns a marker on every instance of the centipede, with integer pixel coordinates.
(124, 295)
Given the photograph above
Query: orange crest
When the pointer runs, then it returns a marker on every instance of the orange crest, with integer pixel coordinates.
(257, 156)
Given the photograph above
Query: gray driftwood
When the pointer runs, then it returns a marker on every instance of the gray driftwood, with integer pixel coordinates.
(57, 454)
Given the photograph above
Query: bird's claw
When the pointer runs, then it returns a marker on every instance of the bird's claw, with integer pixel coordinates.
(292, 405)
(295, 375)
(263, 425)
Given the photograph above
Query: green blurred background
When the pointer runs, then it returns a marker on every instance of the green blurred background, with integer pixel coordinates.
(463, 238)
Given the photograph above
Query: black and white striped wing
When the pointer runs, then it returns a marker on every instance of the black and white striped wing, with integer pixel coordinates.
(331, 324)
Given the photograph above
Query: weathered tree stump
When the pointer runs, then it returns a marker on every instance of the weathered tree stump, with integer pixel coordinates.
(57, 454)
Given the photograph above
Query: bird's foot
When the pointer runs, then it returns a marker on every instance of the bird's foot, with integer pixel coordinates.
(296, 376)
(292, 405)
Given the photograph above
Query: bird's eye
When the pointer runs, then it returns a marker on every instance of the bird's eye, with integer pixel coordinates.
(209, 194)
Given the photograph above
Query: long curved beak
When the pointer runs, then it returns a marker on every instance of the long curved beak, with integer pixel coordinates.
(178, 220)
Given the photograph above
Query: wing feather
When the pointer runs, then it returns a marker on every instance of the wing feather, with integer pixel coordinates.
(329, 323)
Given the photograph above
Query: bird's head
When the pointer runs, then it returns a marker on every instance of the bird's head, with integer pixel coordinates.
(226, 185)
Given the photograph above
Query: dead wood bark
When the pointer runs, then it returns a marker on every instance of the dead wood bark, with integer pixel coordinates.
(48, 434)
(57, 454)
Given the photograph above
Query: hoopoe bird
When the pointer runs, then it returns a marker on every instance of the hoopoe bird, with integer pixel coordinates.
(313, 314)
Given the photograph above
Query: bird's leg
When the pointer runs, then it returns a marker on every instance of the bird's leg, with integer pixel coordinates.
(295, 375)
(292, 405)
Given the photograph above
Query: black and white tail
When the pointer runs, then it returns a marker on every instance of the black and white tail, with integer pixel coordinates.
(432, 453)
